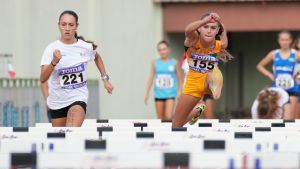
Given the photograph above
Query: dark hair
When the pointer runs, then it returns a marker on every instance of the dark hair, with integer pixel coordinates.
(221, 29)
(163, 42)
(267, 104)
(297, 40)
(69, 12)
(285, 32)
(82, 38)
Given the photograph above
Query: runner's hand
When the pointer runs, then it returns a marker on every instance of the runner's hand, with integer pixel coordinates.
(108, 86)
(212, 18)
(271, 77)
(215, 17)
(56, 56)
(146, 99)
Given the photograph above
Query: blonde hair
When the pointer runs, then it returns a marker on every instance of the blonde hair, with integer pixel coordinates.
(225, 56)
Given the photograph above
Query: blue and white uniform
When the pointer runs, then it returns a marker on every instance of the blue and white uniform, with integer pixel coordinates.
(166, 82)
(284, 71)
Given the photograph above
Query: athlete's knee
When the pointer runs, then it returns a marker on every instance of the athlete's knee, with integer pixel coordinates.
(177, 124)
(177, 121)
(217, 96)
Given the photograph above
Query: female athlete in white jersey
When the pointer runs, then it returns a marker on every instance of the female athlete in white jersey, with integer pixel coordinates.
(64, 65)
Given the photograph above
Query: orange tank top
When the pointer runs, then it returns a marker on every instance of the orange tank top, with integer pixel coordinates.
(202, 60)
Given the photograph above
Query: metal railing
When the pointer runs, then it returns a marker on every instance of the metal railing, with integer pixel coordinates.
(22, 103)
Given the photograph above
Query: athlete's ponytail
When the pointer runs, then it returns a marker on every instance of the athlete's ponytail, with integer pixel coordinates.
(82, 38)
(225, 56)
(76, 35)
(267, 104)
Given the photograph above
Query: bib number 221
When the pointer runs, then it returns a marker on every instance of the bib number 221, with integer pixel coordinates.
(70, 79)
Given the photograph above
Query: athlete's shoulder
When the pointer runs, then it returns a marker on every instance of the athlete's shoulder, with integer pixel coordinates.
(218, 45)
(85, 44)
(275, 51)
(154, 61)
(297, 53)
(52, 46)
(272, 53)
(294, 51)
(54, 43)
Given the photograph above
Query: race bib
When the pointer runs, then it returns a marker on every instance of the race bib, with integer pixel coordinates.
(72, 77)
(203, 62)
(164, 81)
(284, 81)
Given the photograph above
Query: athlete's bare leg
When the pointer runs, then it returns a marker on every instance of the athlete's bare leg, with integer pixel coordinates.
(185, 105)
(75, 116)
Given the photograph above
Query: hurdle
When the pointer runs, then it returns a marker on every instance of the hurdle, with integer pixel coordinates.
(127, 143)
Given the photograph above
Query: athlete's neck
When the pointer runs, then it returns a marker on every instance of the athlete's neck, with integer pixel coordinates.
(68, 41)
(207, 45)
(285, 50)
(165, 59)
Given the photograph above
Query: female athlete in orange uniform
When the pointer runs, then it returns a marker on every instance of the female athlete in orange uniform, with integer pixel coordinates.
(203, 52)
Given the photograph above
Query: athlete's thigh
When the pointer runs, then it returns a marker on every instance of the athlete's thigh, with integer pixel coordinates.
(59, 122)
(160, 108)
(185, 105)
(169, 108)
(209, 110)
(294, 101)
(76, 115)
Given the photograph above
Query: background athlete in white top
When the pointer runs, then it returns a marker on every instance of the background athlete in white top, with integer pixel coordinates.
(271, 103)
(64, 63)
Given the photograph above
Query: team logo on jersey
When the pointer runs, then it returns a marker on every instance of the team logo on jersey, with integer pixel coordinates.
(292, 59)
(206, 57)
(171, 68)
(285, 68)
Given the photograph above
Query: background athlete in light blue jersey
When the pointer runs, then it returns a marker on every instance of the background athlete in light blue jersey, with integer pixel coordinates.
(284, 60)
(166, 78)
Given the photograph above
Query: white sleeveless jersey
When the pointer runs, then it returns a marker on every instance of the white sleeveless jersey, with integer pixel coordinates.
(67, 82)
